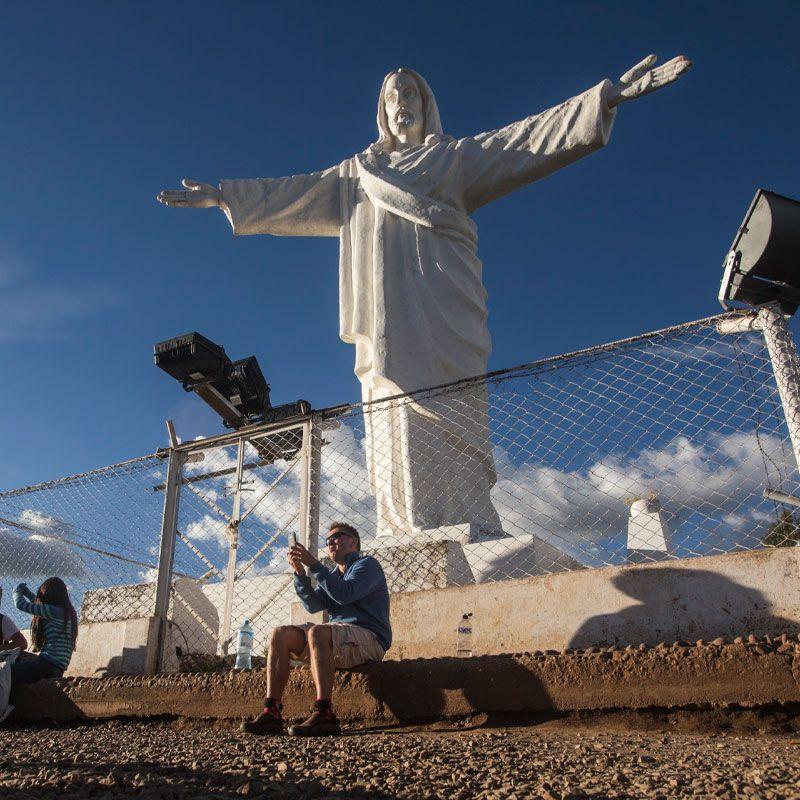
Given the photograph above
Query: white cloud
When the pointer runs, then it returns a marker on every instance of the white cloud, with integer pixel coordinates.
(710, 491)
(43, 553)
(735, 521)
(207, 529)
(149, 575)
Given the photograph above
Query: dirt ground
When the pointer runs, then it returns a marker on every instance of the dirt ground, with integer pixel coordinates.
(654, 754)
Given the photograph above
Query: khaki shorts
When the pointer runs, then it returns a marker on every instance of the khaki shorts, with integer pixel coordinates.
(352, 645)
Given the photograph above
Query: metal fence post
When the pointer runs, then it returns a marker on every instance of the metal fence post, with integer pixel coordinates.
(786, 366)
(233, 544)
(310, 483)
(166, 556)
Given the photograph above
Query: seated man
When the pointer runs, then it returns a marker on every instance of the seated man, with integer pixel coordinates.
(356, 598)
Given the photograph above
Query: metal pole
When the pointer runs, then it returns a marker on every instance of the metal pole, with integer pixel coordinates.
(233, 542)
(786, 366)
(310, 484)
(782, 497)
(166, 556)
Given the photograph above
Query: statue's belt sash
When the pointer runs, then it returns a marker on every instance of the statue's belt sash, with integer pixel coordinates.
(387, 193)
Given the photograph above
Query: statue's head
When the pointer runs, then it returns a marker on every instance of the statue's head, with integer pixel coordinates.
(407, 110)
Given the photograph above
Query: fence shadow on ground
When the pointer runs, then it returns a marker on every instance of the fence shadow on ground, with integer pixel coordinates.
(495, 686)
(681, 604)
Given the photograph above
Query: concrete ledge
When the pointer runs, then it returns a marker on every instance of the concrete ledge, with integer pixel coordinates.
(693, 598)
(405, 691)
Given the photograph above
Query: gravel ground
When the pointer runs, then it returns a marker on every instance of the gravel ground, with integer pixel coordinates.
(179, 759)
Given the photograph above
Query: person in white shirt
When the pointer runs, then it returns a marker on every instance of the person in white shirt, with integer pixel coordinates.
(10, 635)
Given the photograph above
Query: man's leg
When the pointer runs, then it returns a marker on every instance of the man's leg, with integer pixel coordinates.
(320, 646)
(323, 721)
(283, 640)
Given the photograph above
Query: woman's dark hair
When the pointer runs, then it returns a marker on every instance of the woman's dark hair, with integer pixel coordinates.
(53, 592)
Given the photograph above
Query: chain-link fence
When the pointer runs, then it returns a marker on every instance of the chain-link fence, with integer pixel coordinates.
(654, 448)
(95, 530)
(239, 505)
(657, 447)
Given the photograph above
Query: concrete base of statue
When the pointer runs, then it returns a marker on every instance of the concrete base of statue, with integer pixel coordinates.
(412, 566)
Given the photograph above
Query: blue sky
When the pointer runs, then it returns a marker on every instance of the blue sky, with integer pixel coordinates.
(106, 103)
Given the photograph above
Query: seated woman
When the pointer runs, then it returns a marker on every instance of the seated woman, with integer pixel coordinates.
(54, 631)
(10, 636)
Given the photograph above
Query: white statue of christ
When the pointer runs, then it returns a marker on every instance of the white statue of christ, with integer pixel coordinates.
(411, 297)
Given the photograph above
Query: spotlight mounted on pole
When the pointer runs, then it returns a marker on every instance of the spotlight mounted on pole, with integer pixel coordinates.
(763, 263)
(236, 390)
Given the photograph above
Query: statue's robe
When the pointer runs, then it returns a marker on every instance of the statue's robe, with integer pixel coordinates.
(411, 296)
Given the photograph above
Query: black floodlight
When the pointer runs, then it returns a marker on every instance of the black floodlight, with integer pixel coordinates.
(236, 390)
(763, 264)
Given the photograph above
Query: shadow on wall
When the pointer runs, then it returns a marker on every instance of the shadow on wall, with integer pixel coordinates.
(676, 604)
(499, 685)
(131, 661)
(194, 622)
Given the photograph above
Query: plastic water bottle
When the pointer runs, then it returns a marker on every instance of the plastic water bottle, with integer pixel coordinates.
(464, 638)
(244, 647)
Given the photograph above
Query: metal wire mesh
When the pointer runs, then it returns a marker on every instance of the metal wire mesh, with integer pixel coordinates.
(239, 504)
(95, 530)
(655, 448)
(658, 447)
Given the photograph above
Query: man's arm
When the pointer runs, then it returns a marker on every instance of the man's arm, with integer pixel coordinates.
(365, 577)
(10, 634)
(313, 600)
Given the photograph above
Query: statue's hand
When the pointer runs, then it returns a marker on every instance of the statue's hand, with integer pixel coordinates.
(641, 80)
(195, 195)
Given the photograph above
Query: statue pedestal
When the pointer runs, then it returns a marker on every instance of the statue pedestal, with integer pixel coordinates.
(417, 565)
(466, 533)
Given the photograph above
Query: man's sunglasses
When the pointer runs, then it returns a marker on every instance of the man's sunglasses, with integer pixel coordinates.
(331, 539)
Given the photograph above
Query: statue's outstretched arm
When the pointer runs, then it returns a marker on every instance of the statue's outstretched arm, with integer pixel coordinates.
(501, 161)
(297, 205)
(194, 195)
(641, 79)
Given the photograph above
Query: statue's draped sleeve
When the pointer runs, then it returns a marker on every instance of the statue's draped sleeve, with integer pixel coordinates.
(498, 162)
(300, 205)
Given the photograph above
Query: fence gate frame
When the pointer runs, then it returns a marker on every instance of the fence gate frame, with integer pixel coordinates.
(309, 459)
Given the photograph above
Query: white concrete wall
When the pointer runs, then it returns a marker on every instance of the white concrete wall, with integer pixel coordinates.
(691, 599)
(120, 647)
(687, 599)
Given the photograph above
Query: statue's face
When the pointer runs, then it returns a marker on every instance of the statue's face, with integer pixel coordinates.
(404, 111)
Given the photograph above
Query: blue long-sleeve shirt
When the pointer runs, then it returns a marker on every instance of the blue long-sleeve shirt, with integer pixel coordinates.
(57, 647)
(358, 596)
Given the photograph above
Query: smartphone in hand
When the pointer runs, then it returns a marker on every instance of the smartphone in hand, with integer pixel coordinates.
(292, 539)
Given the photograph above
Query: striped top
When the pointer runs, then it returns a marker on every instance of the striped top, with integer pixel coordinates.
(57, 648)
